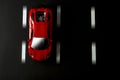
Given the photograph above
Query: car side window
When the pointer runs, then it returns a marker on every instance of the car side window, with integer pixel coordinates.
(31, 34)
(48, 16)
(32, 16)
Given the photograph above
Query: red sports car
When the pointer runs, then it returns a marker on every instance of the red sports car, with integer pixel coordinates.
(40, 33)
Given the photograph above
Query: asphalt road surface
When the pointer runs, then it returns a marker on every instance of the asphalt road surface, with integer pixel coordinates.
(75, 36)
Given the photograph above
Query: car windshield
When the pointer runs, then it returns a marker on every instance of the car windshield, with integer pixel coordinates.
(39, 43)
(40, 16)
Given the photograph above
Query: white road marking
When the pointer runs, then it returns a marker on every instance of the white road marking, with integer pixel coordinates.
(93, 17)
(24, 18)
(58, 53)
(58, 43)
(24, 25)
(23, 55)
(93, 53)
(58, 16)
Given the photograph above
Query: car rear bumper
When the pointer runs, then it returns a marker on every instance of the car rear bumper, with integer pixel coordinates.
(39, 55)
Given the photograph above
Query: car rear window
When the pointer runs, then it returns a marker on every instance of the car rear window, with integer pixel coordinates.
(39, 43)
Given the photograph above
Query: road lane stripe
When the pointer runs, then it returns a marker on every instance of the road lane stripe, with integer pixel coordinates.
(24, 18)
(93, 53)
(93, 17)
(23, 55)
(58, 16)
(58, 53)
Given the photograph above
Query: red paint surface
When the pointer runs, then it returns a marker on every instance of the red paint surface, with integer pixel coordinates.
(40, 30)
